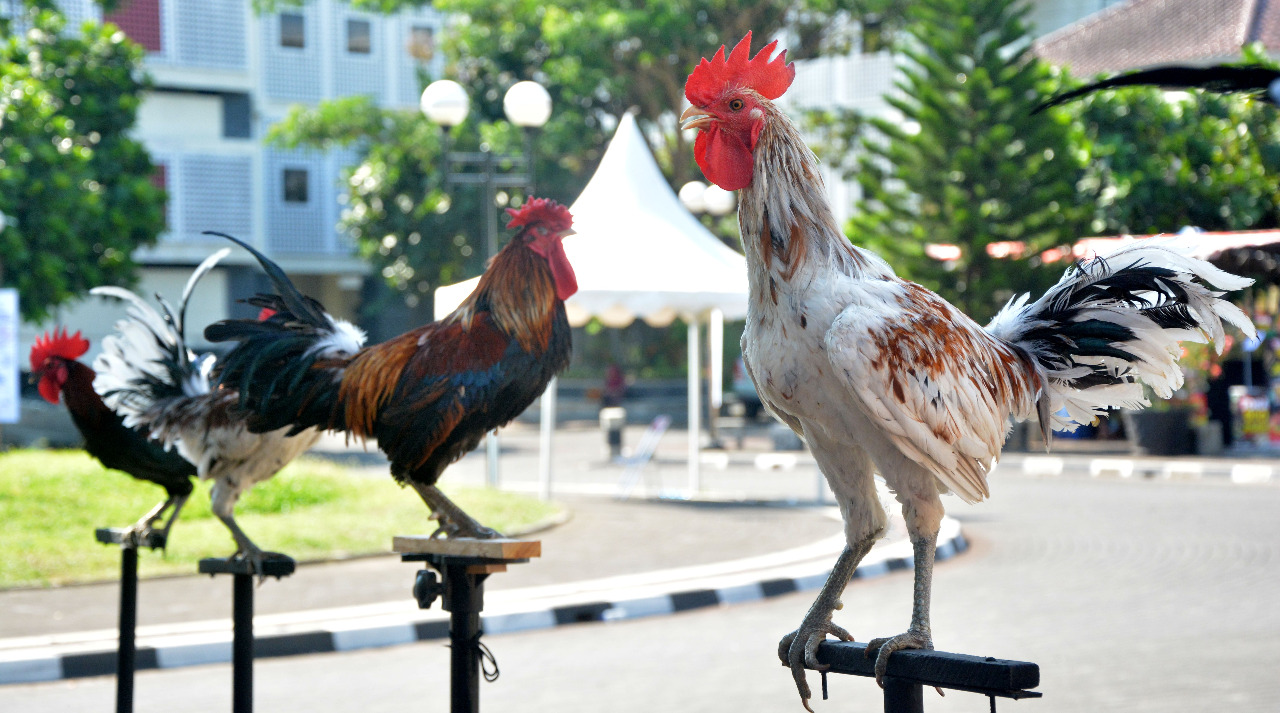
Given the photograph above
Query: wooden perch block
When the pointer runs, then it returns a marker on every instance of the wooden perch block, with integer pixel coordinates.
(496, 549)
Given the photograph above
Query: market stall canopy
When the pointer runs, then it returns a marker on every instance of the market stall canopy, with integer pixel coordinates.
(638, 254)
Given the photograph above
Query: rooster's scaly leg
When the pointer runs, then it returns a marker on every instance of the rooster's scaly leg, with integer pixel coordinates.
(454, 522)
(178, 502)
(138, 531)
(918, 635)
(224, 497)
(799, 649)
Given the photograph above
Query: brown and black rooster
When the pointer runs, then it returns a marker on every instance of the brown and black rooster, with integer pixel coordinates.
(429, 395)
(60, 376)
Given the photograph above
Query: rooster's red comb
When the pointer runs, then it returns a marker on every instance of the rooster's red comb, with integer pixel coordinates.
(53, 344)
(541, 210)
(769, 78)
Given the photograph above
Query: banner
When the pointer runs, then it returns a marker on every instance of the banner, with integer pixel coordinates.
(10, 367)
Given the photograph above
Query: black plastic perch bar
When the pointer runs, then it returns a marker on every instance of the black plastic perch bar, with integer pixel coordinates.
(127, 652)
(911, 670)
(463, 565)
(242, 619)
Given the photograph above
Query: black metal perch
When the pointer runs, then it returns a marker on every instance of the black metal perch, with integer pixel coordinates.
(911, 670)
(127, 649)
(242, 619)
(463, 566)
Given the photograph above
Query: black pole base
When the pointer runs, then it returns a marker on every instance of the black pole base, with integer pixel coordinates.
(127, 649)
(243, 572)
(463, 566)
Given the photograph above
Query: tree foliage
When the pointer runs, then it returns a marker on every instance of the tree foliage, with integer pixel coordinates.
(1160, 161)
(75, 190)
(967, 164)
(419, 234)
(596, 58)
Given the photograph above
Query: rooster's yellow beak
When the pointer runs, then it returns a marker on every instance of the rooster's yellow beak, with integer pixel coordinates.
(694, 118)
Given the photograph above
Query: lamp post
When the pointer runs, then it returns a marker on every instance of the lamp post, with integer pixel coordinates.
(527, 105)
(698, 197)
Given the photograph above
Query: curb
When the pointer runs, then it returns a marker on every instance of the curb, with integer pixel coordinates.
(373, 626)
(1144, 468)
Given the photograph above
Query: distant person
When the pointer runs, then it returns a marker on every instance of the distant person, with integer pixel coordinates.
(615, 387)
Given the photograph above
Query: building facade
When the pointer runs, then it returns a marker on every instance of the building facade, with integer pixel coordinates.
(222, 75)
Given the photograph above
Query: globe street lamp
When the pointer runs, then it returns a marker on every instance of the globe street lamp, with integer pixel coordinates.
(526, 104)
(698, 197)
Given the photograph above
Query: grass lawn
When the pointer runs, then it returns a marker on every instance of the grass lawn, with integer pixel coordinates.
(52, 501)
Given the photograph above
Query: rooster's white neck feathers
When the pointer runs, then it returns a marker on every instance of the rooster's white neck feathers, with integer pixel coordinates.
(784, 217)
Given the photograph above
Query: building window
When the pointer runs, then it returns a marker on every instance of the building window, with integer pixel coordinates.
(422, 43)
(295, 185)
(236, 116)
(160, 179)
(140, 20)
(358, 37)
(876, 36)
(160, 176)
(293, 30)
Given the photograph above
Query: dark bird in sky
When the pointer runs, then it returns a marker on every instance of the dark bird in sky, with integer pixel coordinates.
(1256, 81)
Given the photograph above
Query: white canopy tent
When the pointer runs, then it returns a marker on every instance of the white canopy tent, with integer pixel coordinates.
(639, 254)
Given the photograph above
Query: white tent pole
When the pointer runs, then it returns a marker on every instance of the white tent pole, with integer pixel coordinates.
(547, 426)
(695, 408)
(715, 374)
(715, 352)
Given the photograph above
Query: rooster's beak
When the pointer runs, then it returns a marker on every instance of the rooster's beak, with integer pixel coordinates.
(694, 118)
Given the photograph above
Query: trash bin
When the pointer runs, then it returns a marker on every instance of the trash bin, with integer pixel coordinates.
(612, 421)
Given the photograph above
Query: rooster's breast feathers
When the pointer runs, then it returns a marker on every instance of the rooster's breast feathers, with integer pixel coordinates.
(453, 375)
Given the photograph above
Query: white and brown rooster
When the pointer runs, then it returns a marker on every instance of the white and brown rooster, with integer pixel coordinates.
(880, 375)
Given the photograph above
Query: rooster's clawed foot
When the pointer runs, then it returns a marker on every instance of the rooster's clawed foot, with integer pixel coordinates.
(452, 528)
(257, 559)
(882, 648)
(799, 649)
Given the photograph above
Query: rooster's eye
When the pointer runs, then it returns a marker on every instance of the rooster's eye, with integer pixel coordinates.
(736, 105)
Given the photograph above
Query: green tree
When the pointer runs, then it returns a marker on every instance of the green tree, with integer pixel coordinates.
(603, 57)
(597, 59)
(75, 190)
(1160, 161)
(967, 164)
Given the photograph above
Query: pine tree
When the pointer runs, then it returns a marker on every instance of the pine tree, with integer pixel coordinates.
(967, 164)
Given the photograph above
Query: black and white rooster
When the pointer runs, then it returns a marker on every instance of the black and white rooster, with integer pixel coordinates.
(147, 374)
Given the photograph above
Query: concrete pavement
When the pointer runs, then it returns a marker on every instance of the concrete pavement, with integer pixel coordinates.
(1134, 596)
(753, 529)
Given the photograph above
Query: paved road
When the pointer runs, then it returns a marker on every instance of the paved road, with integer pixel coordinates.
(1132, 596)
